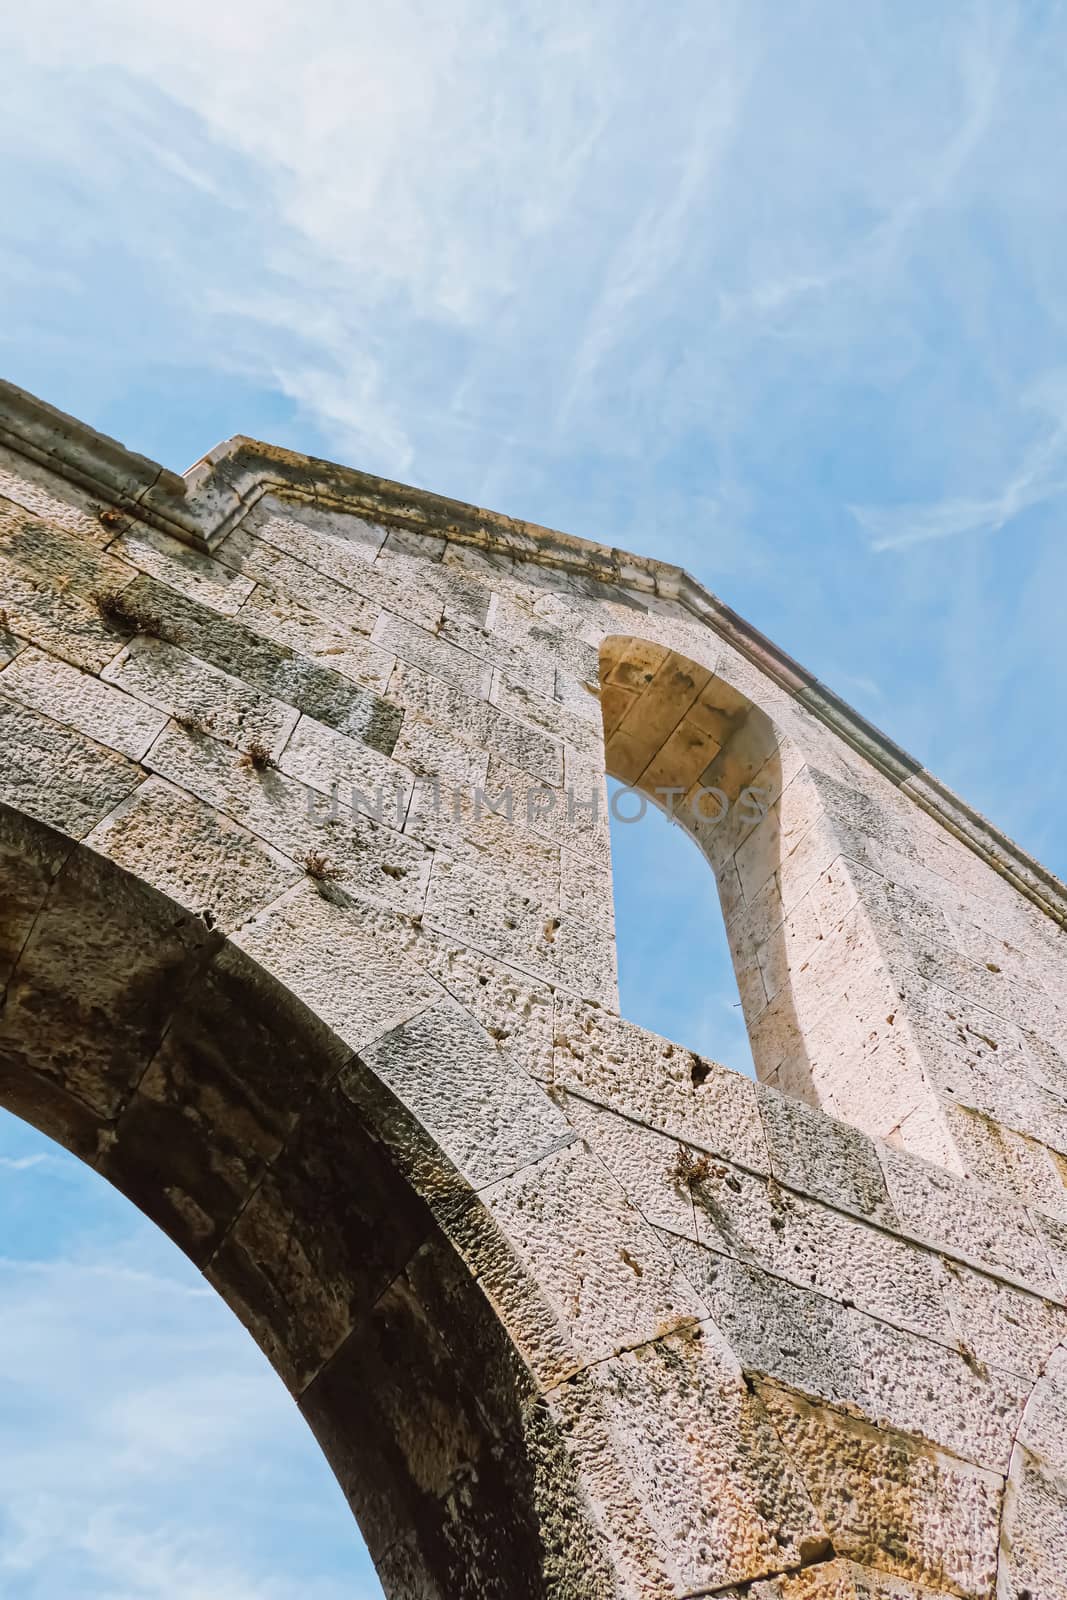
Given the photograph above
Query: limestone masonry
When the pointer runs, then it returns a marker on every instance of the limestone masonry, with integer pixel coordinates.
(572, 1311)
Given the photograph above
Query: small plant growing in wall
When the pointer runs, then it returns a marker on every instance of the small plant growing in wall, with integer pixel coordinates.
(125, 616)
(317, 866)
(257, 757)
(689, 1170)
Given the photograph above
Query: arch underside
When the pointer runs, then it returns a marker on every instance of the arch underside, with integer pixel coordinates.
(166, 1058)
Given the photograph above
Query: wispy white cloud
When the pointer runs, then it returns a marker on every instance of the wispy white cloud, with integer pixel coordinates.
(1040, 476)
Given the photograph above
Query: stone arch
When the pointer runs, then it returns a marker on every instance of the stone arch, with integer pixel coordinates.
(325, 1215)
(818, 1001)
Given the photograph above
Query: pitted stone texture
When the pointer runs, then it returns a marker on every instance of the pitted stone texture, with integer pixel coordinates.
(433, 654)
(299, 628)
(753, 1219)
(131, 963)
(78, 699)
(436, 753)
(188, 571)
(361, 777)
(30, 859)
(169, 678)
(281, 578)
(890, 1502)
(271, 668)
(481, 1113)
(340, 962)
(58, 557)
(1035, 1530)
(200, 858)
(967, 1219)
(299, 1270)
(47, 498)
(1000, 1325)
(859, 1364)
(662, 1084)
(374, 861)
(837, 1580)
(607, 1281)
(828, 1159)
(58, 775)
(706, 1468)
(514, 1010)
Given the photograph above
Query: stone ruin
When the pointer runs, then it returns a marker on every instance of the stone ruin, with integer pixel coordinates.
(307, 944)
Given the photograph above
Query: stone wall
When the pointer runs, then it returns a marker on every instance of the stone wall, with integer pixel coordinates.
(307, 945)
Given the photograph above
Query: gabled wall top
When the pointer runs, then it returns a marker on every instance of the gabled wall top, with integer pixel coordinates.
(202, 506)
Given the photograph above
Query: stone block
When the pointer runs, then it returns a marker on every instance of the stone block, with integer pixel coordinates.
(834, 1353)
(309, 1255)
(56, 774)
(189, 571)
(700, 1460)
(346, 963)
(828, 1159)
(200, 858)
(330, 644)
(271, 668)
(966, 1219)
(281, 576)
(433, 655)
(455, 1106)
(175, 682)
(889, 1501)
(373, 861)
(66, 694)
(652, 1080)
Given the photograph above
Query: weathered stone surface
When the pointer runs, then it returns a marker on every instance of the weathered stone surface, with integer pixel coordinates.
(739, 1214)
(339, 963)
(62, 504)
(483, 1114)
(80, 700)
(362, 778)
(90, 996)
(372, 860)
(297, 627)
(218, 1101)
(824, 1158)
(271, 668)
(666, 1086)
(975, 1222)
(606, 1281)
(300, 1267)
(890, 1502)
(30, 858)
(280, 574)
(858, 1363)
(62, 621)
(703, 1464)
(55, 774)
(433, 654)
(188, 571)
(200, 858)
(837, 1580)
(168, 677)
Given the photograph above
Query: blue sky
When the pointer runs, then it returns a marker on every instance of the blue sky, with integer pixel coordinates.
(776, 292)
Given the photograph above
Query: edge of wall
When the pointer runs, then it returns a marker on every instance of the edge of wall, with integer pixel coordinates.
(203, 506)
